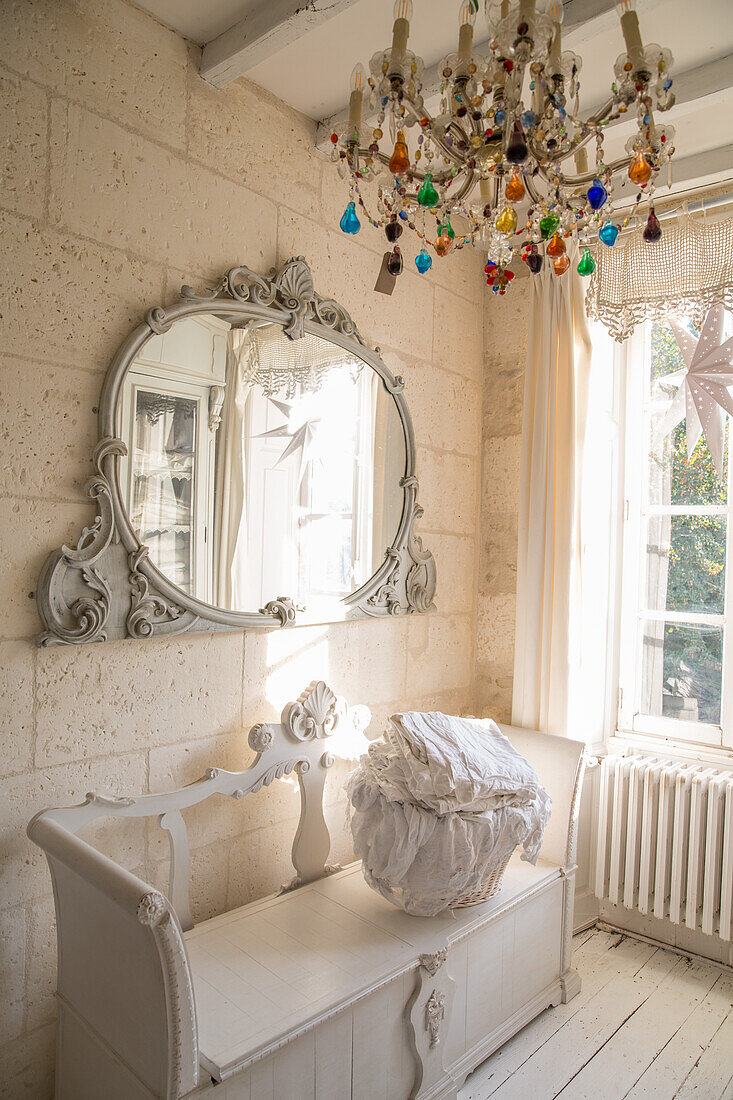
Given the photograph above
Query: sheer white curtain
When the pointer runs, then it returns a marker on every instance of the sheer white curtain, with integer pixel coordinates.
(549, 549)
(230, 521)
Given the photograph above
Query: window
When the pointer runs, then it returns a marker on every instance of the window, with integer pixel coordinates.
(676, 652)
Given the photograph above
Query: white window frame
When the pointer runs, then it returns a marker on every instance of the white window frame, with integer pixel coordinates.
(633, 363)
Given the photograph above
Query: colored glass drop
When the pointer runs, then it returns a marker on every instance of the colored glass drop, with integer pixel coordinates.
(556, 247)
(548, 225)
(597, 195)
(652, 229)
(561, 264)
(423, 261)
(534, 260)
(443, 244)
(517, 151)
(349, 221)
(587, 264)
(507, 220)
(640, 170)
(393, 230)
(399, 162)
(514, 190)
(427, 195)
(608, 233)
(446, 229)
(395, 262)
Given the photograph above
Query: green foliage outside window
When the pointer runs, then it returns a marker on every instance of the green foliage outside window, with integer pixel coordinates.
(696, 552)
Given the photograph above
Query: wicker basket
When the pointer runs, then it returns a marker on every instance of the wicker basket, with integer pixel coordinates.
(490, 886)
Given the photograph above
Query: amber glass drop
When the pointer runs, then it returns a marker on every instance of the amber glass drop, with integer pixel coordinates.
(399, 162)
(556, 247)
(561, 264)
(652, 229)
(640, 170)
(443, 244)
(514, 190)
(507, 220)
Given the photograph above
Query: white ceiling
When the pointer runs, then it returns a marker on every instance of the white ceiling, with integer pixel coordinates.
(311, 74)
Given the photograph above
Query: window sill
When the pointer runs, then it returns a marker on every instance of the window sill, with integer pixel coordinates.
(667, 746)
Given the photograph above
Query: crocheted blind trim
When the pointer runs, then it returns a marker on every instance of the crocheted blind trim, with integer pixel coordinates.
(686, 272)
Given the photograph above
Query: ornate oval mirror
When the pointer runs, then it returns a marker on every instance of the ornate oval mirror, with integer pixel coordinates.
(256, 466)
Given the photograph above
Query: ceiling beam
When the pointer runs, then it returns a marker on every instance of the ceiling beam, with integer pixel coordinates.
(269, 28)
(578, 13)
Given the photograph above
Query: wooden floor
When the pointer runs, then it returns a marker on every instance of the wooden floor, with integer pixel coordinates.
(647, 1023)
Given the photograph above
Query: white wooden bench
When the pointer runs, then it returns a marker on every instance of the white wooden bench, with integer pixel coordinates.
(324, 991)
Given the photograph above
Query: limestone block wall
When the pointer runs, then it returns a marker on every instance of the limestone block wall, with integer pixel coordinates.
(505, 351)
(124, 176)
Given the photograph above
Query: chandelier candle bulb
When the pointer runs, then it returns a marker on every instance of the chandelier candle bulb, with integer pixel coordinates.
(356, 99)
(400, 33)
(526, 10)
(466, 20)
(555, 12)
(632, 33)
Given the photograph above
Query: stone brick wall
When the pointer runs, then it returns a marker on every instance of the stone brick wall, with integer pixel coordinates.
(123, 176)
(505, 351)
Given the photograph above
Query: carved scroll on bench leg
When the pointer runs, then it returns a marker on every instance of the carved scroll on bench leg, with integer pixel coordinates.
(428, 1014)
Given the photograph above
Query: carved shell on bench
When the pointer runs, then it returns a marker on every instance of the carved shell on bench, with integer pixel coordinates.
(313, 715)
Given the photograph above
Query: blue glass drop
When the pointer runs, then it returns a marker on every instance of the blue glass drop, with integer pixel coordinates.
(647, 119)
(667, 84)
(608, 233)
(423, 261)
(349, 221)
(597, 195)
(404, 215)
(500, 116)
(528, 119)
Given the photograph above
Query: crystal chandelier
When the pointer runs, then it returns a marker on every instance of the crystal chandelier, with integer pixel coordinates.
(488, 149)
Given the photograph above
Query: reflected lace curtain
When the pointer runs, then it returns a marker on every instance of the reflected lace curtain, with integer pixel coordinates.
(163, 481)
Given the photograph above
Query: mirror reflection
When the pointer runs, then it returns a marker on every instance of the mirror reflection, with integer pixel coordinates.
(259, 466)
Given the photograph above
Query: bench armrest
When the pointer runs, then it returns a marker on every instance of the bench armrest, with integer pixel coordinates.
(124, 983)
(560, 764)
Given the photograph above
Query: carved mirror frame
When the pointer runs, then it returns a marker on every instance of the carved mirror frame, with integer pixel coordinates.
(107, 587)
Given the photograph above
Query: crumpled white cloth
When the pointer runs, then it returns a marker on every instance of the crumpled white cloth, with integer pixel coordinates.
(476, 800)
(446, 763)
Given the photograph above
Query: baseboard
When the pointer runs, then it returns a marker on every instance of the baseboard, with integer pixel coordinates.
(663, 933)
(585, 909)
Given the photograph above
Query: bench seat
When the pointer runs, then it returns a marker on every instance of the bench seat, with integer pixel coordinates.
(270, 970)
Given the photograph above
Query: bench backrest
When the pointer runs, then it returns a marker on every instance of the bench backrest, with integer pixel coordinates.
(120, 942)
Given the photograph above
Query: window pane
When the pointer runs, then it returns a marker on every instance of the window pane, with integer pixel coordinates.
(686, 563)
(681, 671)
(163, 469)
(673, 479)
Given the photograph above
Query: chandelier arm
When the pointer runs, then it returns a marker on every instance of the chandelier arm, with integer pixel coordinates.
(448, 152)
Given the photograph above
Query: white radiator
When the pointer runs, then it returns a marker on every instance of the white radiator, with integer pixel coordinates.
(665, 841)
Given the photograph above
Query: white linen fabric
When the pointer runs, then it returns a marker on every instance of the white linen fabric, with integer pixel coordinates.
(548, 553)
(439, 804)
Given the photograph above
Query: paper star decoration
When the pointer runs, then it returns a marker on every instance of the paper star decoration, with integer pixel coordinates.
(301, 438)
(705, 393)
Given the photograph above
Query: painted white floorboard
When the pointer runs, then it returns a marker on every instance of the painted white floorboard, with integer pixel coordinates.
(647, 1023)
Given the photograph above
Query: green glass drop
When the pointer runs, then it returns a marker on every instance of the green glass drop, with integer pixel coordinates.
(587, 264)
(445, 229)
(427, 195)
(548, 225)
